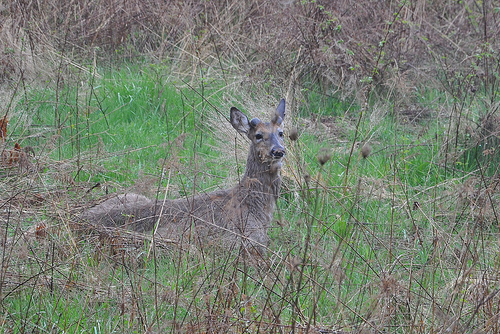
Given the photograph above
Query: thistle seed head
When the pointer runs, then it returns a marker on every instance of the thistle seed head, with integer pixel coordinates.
(366, 150)
(323, 156)
(294, 134)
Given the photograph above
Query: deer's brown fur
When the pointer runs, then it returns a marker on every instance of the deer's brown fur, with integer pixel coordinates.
(242, 213)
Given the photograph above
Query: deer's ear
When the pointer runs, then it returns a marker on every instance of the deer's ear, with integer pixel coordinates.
(239, 121)
(280, 113)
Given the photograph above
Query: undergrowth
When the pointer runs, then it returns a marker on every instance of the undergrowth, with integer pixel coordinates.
(388, 218)
(373, 234)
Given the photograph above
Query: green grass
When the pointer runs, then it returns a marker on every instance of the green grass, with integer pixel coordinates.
(395, 240)
(129, 114)
(317, 102)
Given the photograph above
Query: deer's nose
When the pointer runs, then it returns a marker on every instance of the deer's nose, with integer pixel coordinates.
(278, 152)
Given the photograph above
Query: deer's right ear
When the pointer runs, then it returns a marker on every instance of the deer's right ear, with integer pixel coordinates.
(279, 116)
(239, 121)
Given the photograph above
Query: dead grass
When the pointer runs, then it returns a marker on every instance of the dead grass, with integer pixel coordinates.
(357, 248)
(333, 44)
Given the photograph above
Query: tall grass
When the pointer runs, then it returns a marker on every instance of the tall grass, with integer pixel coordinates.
(388, 217)
(399, 242)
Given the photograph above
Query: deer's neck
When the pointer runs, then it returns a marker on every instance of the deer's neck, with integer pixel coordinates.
(263, 178)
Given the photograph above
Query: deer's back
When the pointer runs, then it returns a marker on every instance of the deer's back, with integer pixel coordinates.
(225, 214)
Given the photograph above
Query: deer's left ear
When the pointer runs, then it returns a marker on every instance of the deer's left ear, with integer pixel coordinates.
(280, 113)
(239, 121)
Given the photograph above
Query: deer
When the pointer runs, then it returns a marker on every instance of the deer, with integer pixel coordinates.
(237, 216)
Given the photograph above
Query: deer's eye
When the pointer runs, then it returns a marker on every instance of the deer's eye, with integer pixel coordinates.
(258, 136)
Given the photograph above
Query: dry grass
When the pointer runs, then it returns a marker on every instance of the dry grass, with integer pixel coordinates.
(395, 45)
(360, 245)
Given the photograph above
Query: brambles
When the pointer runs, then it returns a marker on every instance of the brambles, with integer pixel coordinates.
(328, 48)
(3, 128)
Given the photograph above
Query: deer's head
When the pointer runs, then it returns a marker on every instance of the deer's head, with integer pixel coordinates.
(266, 137)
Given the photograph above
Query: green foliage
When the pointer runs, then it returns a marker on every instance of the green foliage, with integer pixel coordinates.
(132, 114)
(322, 104)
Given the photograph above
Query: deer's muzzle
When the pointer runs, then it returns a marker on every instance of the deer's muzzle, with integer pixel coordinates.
(278, 152)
